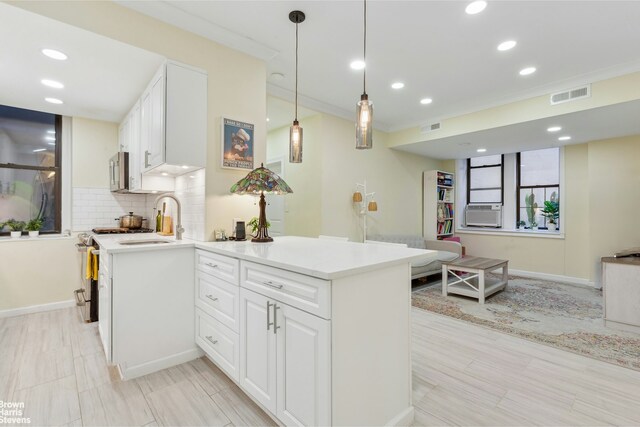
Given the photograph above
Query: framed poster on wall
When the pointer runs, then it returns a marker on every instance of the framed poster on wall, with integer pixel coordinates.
(237, 144)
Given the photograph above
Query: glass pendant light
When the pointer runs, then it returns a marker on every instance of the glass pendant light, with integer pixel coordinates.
(364, 109)
(295, 132)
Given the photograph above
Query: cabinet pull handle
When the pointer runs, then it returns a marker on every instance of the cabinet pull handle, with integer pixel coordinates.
(146, 158)
(210, 338)
(210, 264)
(211, 297)
(275, 319)
(273, 284)
(269, 323)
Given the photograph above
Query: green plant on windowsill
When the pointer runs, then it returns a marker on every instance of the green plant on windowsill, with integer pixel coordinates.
(530, 208)
(551, 211)
(254, 224)
(34, 226)
(15, 227)
(521, 225)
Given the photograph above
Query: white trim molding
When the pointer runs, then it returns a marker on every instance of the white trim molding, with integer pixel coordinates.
(554, 277)
(37, 308)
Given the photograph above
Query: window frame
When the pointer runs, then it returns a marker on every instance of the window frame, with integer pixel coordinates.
(519, 187)
(57, 168)
(469, 189)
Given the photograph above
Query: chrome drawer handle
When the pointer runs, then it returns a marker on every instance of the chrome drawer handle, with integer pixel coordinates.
(211, 297)
(210, 338)
(210, 264)
(273, 285)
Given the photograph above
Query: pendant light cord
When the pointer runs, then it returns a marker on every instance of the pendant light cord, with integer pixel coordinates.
(296, 72)
(364, 80)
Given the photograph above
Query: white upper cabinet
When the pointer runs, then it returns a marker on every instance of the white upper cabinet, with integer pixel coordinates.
(174, 112)
(165, 132)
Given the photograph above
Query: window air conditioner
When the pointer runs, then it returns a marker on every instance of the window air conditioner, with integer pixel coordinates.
(489, 215)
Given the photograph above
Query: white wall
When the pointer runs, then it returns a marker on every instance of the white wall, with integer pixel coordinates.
(324, 182)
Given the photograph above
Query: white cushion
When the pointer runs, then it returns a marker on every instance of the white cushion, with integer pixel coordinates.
(440, 256)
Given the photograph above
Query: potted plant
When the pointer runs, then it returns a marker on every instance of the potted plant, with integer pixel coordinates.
(521, 225)
(34, 226)
(530, 208)
(551, 211)
(254, 225)
(15, 227)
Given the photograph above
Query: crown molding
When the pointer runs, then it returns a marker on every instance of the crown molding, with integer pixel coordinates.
(172, 14)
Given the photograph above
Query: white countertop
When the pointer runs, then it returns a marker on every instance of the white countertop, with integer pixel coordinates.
(325, 259)
(111, 242)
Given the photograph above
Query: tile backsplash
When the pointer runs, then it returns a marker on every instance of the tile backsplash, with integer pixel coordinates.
(190, 190)
(99, 207)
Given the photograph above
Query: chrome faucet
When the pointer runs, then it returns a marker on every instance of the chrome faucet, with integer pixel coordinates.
(179, 229)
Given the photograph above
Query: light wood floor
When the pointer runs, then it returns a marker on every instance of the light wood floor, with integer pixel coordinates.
(463, 375)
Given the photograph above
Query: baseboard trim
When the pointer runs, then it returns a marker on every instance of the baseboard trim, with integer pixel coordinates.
(554, 277)
(37, 308)
(404, 418)
(159, 364)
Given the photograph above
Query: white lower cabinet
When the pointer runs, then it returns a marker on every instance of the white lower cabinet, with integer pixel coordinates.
(285, 360)
(104, 306)
(220, 343)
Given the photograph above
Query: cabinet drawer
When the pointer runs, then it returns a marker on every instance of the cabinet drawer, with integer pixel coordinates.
(219, 299)
(220, 266)
(219, 342)
(304, 292)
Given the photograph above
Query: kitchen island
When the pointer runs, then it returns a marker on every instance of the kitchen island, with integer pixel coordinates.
(317, 332)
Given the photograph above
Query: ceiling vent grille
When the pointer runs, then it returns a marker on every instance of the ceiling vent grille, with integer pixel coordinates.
(571, 94)
(430, 127)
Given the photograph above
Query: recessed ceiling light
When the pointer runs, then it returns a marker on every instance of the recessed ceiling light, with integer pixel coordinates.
(54, 54)
(564, 138)
(49, 138)
(425, 101)
(52, 132)
(53, 100)
(476, 7)
(357, 65)
(397, 85)
(509, 44)
(527, 71)
(554, 129)
(52, 83)
(39, 150)
(268, 119)
(164, 174)
(481, 150)
(154, 191)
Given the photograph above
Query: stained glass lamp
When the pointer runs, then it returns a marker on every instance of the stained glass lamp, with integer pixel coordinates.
(261, 181)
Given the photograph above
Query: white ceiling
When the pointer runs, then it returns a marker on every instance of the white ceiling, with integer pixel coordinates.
(280, 113)
(102, 77)
(589, 125)
(434, 47)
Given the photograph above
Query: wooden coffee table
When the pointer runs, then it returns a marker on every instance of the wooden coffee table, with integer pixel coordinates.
(476, 285)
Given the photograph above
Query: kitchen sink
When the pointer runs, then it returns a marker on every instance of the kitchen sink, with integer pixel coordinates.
(144, 242)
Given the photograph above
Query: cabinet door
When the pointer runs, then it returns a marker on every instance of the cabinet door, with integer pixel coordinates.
(134, 148)
(156, 148)
(257, 348)
(123, 134)
(104, 312)
(304, 367)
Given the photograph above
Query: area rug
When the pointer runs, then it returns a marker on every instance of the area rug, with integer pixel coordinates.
(561, 315)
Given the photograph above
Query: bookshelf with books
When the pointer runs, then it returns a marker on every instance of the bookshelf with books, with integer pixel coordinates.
(438, 204)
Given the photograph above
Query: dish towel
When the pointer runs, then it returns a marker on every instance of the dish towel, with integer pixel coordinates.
(92, 265)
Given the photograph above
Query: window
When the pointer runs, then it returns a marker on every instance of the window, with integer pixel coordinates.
(537, 181)
(30, 167)
(485, 179)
